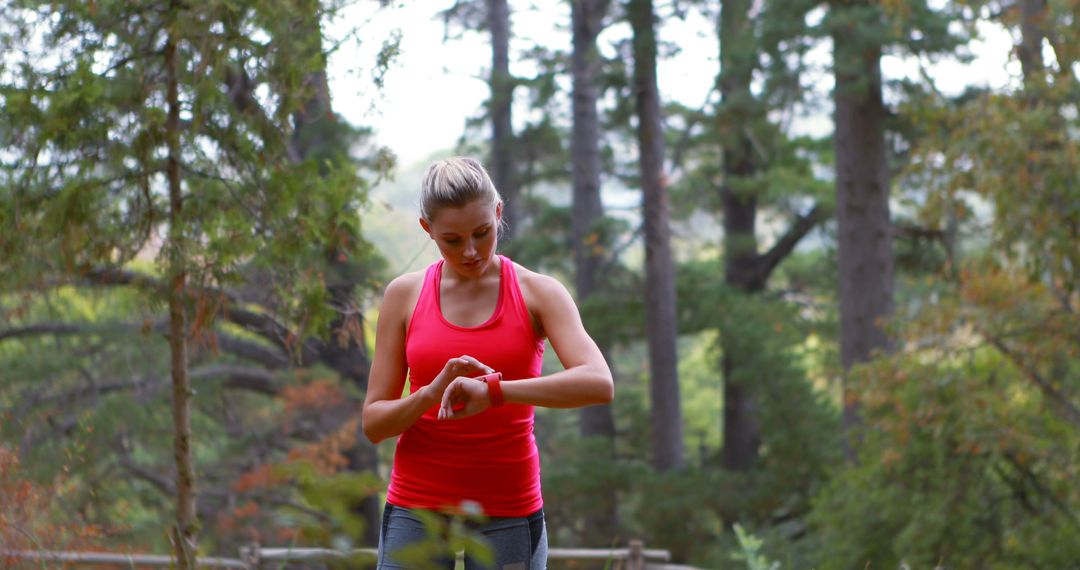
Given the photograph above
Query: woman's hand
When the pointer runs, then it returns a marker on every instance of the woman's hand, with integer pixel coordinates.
(455, 369)
(464, 397)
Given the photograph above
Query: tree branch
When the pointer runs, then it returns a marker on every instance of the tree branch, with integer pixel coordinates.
(159, 482)
(240, 377)
(55, 329)
(241, 91)
(235, 377)
(265, 326)
(166, 486)
(783, 247)
(259, 323)
(1046, 493)
(250, 350)
(115, 276)
(1066, 408)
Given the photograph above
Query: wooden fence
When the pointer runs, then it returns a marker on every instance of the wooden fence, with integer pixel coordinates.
(635, 557)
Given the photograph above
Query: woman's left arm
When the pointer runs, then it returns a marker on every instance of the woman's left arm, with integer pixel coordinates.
(586, 378)
(585, 381)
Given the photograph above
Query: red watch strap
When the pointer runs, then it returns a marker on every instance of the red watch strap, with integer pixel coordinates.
(495, 393)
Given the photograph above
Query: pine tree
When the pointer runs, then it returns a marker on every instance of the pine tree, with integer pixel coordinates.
(587, 214)
(660, 317)
(135, 119)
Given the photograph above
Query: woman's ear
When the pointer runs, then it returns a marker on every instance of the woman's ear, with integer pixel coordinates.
(427, 227)
(498, 212)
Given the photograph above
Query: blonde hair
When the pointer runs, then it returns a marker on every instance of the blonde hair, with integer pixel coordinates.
(454, 182)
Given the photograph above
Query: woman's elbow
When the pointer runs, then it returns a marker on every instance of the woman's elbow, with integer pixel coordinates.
(609, 392)
(368, 425)
(606, 388)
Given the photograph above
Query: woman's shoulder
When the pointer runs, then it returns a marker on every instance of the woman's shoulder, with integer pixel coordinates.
(407, 280)
(403, 288)
(538, 286)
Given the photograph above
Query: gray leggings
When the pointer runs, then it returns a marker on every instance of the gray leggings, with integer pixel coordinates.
(518, 543)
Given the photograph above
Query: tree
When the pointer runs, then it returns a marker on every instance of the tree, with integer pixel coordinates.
(147, 117)
(501, 109)
(972, 421)
(660, 318)
(184, 534)
(744, 132)
(318, 135)
(864, 229)
(588, 211)
(493, 16)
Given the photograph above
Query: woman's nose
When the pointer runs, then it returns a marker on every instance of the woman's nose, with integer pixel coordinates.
(470, 247)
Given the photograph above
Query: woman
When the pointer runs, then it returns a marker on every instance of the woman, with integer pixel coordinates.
(469, 333)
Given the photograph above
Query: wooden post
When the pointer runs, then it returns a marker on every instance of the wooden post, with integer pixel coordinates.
(250, 555)
(637, 555)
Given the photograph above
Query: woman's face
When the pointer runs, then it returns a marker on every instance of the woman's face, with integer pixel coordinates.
(466, 236)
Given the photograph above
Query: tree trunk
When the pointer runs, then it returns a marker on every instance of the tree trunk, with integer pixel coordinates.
(588, 211)
(660, 323)
(184, 534)
(742, 432)
(1032, 34)
(502, 132)
(346, 352)
(864, 232)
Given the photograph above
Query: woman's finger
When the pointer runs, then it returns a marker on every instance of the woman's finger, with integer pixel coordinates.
(450, 394)
(446, 408)
(477, 364)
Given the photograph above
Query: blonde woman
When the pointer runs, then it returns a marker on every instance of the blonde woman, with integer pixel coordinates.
(468, 332)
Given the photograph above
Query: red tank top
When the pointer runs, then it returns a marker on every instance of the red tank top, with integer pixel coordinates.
(490, 458)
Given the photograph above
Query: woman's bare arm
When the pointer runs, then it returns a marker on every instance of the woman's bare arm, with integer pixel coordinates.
(585, 380)
(387, 414)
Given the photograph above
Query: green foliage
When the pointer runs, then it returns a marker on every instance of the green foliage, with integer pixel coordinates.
(89, 121)
(575, 471)
(750, 547)
(972, 442)
(960, 466)
(271, 191)
(335, 497)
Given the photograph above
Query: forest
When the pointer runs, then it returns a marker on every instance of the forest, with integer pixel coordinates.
(848, 347)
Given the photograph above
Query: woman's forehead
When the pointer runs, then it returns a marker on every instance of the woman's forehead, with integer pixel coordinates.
(465, 218)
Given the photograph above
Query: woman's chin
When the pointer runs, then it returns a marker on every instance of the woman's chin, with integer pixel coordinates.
(476, 267)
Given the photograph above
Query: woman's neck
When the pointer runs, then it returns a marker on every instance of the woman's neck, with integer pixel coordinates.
(453, 277)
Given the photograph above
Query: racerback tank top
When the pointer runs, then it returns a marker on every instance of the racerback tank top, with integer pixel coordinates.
(488, 459)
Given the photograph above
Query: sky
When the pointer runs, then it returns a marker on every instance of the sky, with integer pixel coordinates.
(435, 85)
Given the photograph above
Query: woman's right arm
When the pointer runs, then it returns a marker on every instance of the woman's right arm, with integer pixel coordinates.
(386, 413)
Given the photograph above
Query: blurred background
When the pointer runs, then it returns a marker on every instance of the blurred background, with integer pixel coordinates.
(829, 249)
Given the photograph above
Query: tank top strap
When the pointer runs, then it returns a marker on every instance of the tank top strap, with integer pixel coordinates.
(428, 300)
(511, 291)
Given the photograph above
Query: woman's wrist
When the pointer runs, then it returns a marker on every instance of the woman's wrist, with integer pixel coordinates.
(494, 388)
(428, 396)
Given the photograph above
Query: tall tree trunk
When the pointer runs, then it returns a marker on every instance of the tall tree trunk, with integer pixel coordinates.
(184, 533)
(502, 98)
(742, 432)
(587, 22)
(660, 323)
(864, 231)
(346, 352)
(1032, 34)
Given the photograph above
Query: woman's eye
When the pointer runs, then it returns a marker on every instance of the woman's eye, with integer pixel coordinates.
(481, 234)
(452, 241)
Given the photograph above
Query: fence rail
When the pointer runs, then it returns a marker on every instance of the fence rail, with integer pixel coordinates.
(111, 558)
(635, 557)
